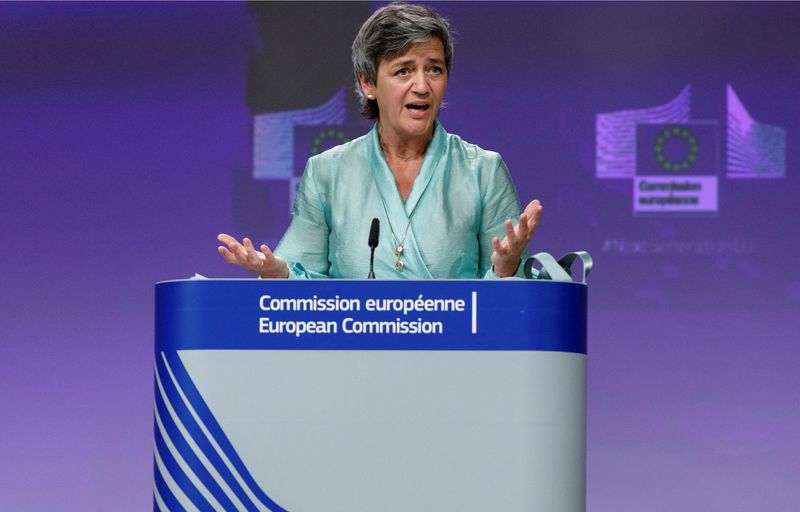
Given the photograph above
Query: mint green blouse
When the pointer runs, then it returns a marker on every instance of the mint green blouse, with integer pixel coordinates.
(457, 205)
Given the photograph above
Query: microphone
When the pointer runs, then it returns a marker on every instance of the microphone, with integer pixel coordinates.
(374, 232)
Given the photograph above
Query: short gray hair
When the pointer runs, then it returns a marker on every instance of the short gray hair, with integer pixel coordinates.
(389, 32)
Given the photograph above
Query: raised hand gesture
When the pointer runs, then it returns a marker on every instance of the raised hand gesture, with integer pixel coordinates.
(244, 255)
(506, 255)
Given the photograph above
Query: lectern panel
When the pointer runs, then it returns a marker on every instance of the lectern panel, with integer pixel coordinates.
(370, 396)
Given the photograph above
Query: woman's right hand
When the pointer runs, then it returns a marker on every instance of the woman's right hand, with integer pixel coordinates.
(244, 255)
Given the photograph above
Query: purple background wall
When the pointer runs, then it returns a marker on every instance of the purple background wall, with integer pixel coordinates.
(121, 130)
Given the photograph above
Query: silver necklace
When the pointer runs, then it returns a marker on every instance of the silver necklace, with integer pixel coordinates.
(399, 246)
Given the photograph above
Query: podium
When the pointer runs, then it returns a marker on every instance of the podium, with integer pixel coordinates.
(370, 396)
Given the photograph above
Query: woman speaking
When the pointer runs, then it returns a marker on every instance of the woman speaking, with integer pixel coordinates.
(446, 203)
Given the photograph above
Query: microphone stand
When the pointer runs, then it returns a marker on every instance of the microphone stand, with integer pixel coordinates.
(374, 232)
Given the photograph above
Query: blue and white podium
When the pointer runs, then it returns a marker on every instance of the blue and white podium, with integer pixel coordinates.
(370, 396)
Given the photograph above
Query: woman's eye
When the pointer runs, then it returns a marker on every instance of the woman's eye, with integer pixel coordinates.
(436, 69)
(402, 72)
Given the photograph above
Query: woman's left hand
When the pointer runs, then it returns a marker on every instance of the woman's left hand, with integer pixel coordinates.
(506, 255)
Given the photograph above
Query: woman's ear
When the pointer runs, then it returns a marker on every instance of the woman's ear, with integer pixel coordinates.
(367, 88)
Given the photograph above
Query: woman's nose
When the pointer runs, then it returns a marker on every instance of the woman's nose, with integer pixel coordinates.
(420, 83)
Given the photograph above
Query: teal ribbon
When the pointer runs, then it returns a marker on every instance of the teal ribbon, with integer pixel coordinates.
(560, 270)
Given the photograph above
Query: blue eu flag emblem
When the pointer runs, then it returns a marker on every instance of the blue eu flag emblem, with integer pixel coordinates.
(677, 149)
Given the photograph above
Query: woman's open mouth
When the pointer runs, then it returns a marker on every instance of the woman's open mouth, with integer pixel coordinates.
(418, 109)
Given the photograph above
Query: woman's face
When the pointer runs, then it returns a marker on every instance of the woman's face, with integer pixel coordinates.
(409, 90)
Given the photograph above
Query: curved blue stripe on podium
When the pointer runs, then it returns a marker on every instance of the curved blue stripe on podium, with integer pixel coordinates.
(210, 422)
(179, 476)
(199, 437)
(182, 446)
(163, 491)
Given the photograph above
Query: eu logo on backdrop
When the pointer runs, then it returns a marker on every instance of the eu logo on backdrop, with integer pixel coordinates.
(676, 167)
(674, 160)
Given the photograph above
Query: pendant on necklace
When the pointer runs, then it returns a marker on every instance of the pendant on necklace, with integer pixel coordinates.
(399, 253)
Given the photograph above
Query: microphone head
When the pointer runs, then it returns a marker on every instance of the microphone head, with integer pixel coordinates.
(374, 233)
